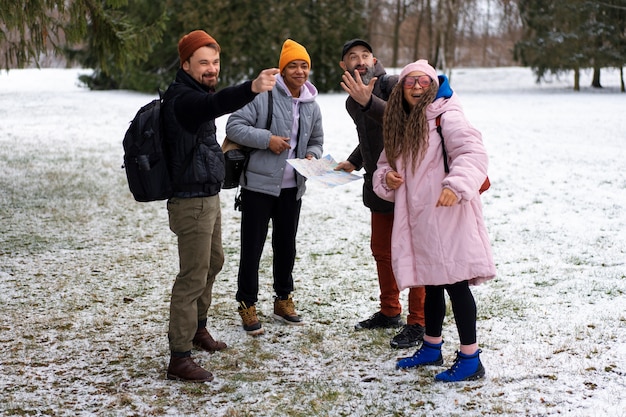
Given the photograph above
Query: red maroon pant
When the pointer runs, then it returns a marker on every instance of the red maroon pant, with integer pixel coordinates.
(390, 306)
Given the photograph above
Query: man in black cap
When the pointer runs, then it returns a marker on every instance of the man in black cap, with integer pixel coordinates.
(368, 85)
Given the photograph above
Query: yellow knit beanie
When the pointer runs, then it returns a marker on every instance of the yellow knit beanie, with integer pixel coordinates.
(292, 51)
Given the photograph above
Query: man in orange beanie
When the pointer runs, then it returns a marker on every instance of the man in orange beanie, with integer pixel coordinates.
(196, 167)
(189, 43)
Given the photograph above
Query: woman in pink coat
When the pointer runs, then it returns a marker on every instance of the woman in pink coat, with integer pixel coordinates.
(439, 239)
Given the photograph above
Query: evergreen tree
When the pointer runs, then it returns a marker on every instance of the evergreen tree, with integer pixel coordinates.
(610, 19)
(329, 25)
(250, 34)
(565, 36)
(148, 74)
(115, 41)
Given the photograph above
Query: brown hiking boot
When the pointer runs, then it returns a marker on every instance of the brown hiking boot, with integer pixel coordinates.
(285, 311)
(185, 369)
(251, 323)
(203, 340)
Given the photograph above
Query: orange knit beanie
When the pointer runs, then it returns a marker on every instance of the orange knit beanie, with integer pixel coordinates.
(190, 43)
(292, 51)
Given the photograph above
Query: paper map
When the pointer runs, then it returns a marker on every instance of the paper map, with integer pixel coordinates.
(322, 171)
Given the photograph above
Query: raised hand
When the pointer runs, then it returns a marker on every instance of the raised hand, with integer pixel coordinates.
(265, 81)
(353, 85)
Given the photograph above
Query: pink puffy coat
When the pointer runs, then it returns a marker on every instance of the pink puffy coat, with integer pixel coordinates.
(440, 245)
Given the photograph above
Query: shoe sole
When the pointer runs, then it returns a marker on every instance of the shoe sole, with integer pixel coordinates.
(480, 373)
(475, 377)
(403, 345)
(255, 332)
(434, 363)
(173, 377)
(469, 378)
(284, 320)
(199, 347)
(389, 326)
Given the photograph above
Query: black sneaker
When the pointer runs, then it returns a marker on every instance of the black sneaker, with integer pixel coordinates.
(379, 321)
(410, 335)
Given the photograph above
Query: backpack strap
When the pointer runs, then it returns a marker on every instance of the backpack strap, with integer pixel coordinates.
(186, 162)
(486, 184)
(443, 145)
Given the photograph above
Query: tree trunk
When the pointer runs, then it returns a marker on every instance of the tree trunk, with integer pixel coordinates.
(418, 30)
(438, 33)
(485, 34)
(396, 34)
(596, 78)
(621, 78)
(432, 34)
(577, 79)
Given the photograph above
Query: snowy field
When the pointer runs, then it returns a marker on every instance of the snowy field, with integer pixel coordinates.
(86, 272)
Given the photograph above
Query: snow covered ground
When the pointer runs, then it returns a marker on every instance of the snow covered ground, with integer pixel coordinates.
(86, 272)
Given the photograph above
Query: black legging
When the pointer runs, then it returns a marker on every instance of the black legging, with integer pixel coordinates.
(463, 307)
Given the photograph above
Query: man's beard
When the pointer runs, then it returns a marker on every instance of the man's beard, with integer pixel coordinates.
(367, 77)
(210, 82)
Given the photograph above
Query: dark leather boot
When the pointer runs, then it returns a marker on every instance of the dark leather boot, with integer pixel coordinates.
(185, 369)
(203, 340)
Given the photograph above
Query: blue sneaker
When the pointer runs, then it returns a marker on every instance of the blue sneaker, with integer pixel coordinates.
(465, 368)
(427, 354)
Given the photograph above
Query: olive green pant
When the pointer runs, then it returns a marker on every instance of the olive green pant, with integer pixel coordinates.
(197, 222)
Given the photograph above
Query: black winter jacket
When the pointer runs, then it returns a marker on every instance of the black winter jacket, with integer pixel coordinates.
(189, 110)
(370, 131)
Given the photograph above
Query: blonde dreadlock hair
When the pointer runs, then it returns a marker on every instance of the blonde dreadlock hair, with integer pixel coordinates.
(405, 130)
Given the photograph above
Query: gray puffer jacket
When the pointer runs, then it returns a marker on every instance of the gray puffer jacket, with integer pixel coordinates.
(246, 126)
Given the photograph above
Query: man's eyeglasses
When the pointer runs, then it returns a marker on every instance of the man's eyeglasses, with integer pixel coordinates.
(422, 80)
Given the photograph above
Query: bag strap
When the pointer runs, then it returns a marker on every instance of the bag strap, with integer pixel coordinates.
(486, 184)
(270, 109)
(268, 124)
(443, 145)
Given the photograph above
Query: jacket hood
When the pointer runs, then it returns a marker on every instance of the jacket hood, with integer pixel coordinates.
(379, 69)
(445, 100)
(308, 92)
(445, 90)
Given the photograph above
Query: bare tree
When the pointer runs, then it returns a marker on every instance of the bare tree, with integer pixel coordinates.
(421, 14)
(446, 32)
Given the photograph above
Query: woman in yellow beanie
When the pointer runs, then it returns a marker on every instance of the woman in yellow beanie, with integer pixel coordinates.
(292, 51)
(271, 188)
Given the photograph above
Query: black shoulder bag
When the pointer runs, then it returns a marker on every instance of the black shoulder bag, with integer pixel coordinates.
(236, 157)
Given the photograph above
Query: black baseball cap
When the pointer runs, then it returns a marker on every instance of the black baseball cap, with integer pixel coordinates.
(352, 43)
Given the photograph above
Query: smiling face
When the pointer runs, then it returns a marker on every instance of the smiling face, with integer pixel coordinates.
(204, 66)
(359, 58)
(415, 84)
(295, 74)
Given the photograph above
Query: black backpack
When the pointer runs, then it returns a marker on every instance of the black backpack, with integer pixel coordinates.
(386, 87)
(144, 159)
